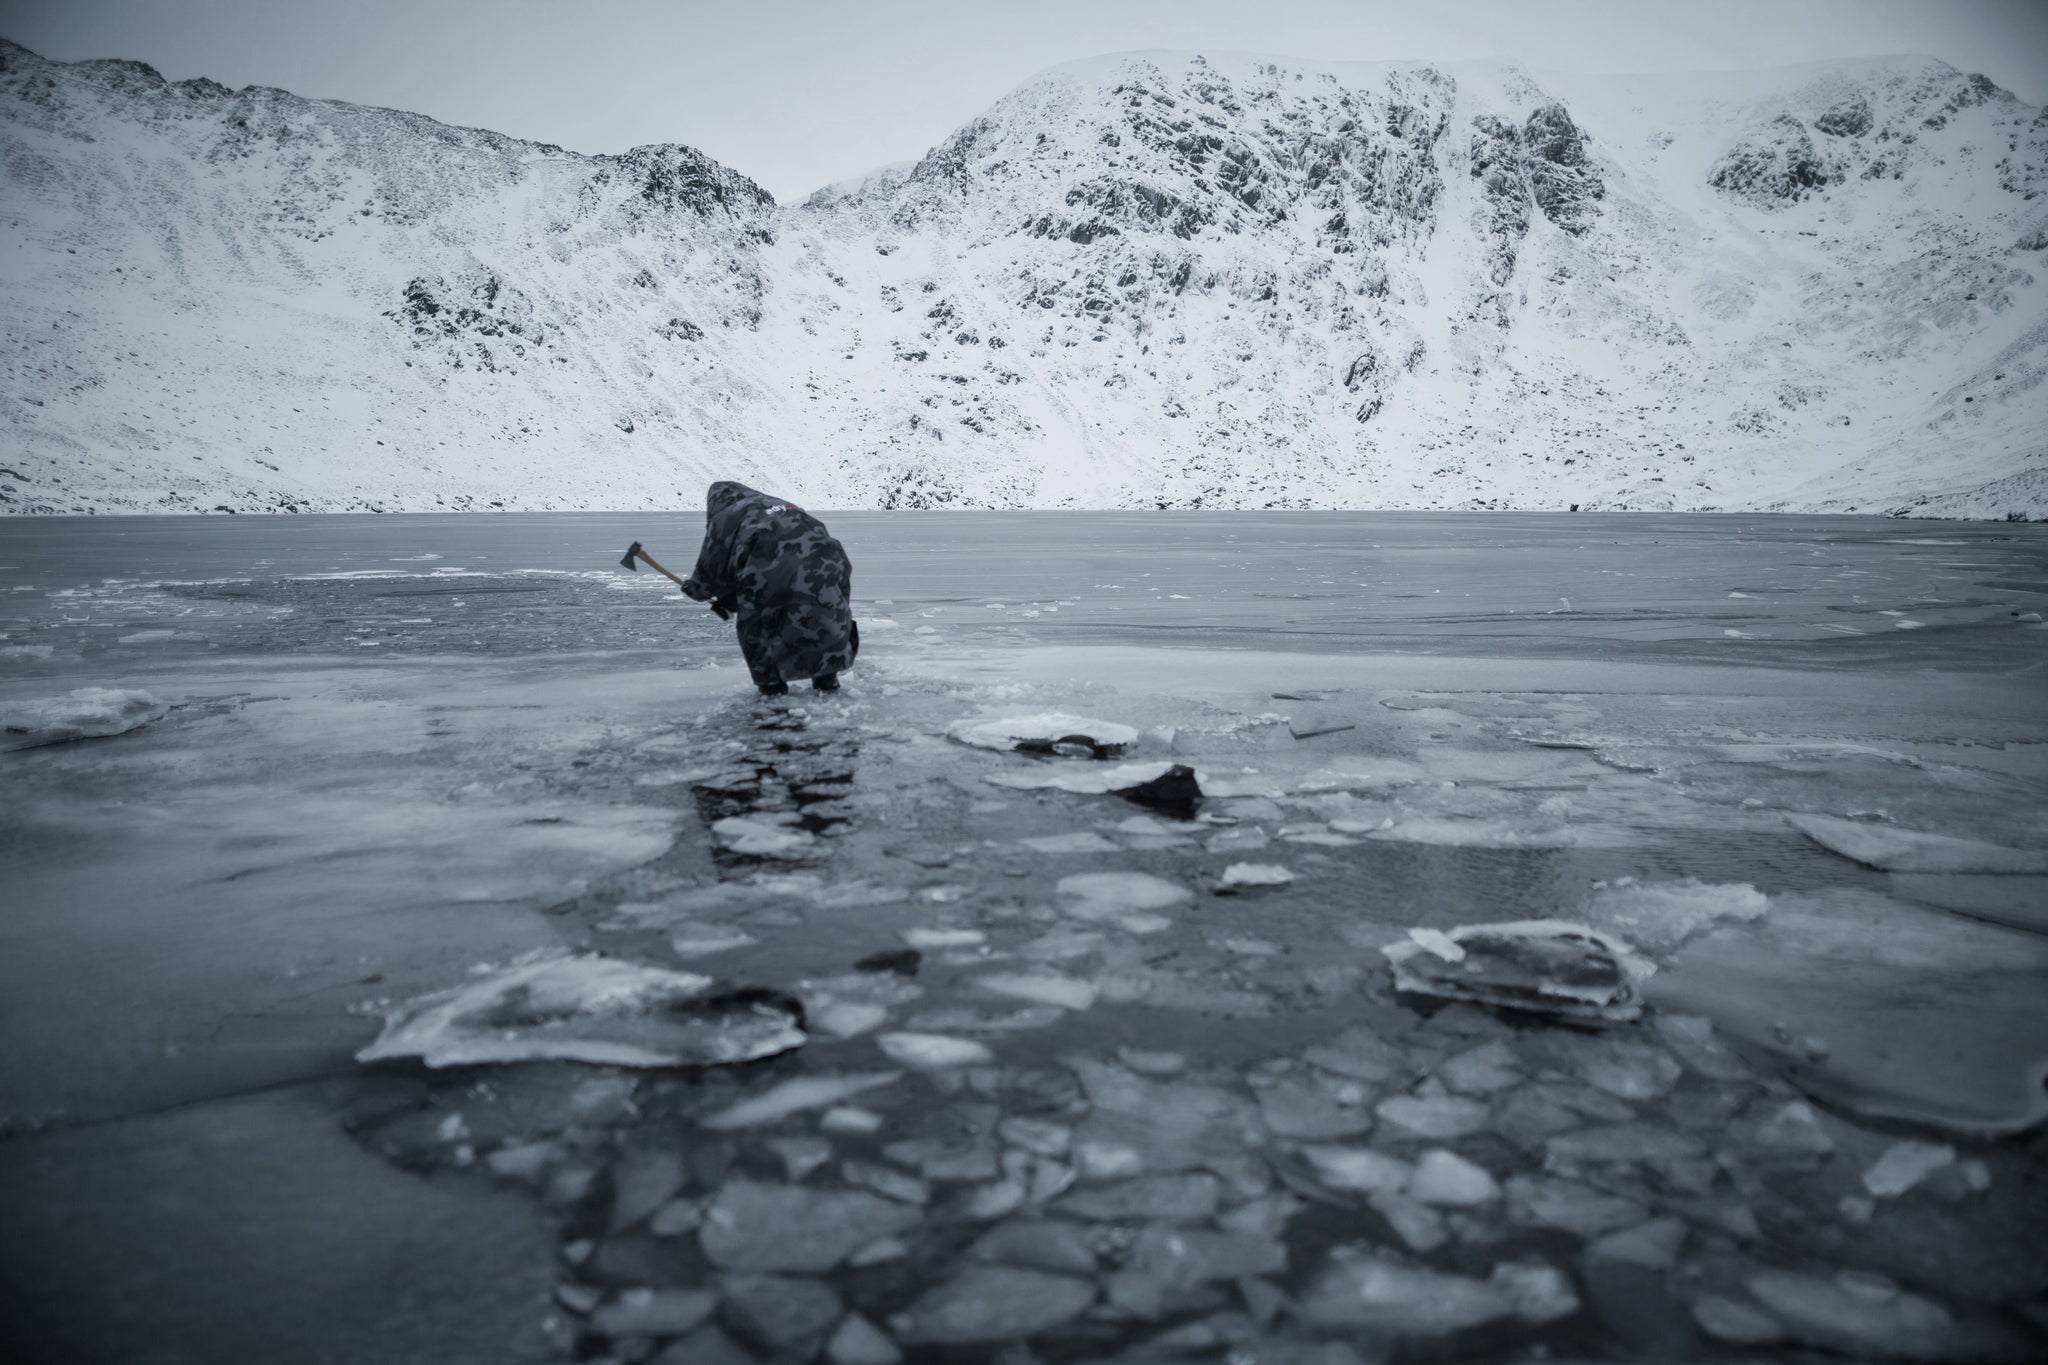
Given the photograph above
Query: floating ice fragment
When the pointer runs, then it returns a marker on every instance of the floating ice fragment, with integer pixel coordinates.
(1903, 850)
(1863, 1316)
(85, 713)
(796, 1095)
(1544, 966)
(1540, 1292)
(753, 1226)
(782, 1312)
(759, 839)
(1045, 988)
(1089, 781)
(1653, 1245)
(847, 1118)
(1358, 1168)
(1735, 1322)
(856, 1341)
(1169, 1198)
(1373, 1290)
(1481, 1070)
(1051, 732)
(931, 939)
(1904, 1165)
(1254, 874)
(800, 1155)
(993, 1303)
(1434, 1116)
(1659, 917)
(1080, 841)
(1445, 1178)
(589, 1009)
(693, 940)
(1120, 897)
(654, 1312)
(933, 1051)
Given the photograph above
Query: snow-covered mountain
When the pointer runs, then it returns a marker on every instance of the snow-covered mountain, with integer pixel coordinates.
(1150, 279)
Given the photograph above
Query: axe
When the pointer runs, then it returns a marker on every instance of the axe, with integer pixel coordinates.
(634, 552)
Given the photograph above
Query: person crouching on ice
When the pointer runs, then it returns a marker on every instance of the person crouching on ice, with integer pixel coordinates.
(779, 570)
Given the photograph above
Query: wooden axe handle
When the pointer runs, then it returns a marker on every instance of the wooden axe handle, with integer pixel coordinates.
(642, 554)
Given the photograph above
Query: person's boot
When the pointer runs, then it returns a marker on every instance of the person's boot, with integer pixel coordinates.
(775, 689)
(825, 682)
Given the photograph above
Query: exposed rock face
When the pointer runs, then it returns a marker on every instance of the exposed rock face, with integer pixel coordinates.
(1156, 280)
(1849, 118)
(1565, 182)
(1774, 167)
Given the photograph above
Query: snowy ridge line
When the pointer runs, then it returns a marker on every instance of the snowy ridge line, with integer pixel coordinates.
(1144, 280)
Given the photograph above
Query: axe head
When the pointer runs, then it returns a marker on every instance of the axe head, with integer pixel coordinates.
(630, 555)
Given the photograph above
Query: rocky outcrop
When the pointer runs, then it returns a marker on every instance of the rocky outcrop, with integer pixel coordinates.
(1774, 167)
(1566, 184)
(1848, 118)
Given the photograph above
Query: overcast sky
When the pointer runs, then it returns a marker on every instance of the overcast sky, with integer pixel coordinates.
(799, 93)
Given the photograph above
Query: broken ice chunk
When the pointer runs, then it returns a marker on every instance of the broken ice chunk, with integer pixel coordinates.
(856, 1341)
(757, 1226)
(1173, 1198)
(1866, 1316)
(1294, 1108)
(690, 939)
(1433, 1116)
(994, 1303)
(933, 1051)
(1659, 917)
(1544, 966)
(1904, 1165)
(1372, 1290)
(588, 1009)
(761, 839)
(1079, 841)
(1540, 1292)
(1653, 1245)
(1240, 875)
(1358, 1168)
(1445, 1178)
(795, 1095)
(1051, 732)
(1044, 988)
(1481, 1070)
(654, 1312)
(933, 939)
(1125, 898)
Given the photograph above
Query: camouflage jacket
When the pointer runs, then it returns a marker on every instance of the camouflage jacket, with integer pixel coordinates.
(789, 581)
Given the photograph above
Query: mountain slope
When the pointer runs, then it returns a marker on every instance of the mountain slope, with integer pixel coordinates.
(1152, 279)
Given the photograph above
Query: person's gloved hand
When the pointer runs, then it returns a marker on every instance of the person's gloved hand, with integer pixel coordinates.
(725, 607)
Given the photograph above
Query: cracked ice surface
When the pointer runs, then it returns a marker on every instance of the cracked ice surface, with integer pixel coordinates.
(1048, 1086)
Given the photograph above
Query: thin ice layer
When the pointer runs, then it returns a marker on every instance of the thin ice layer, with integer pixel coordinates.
(83, 713)
(587, 1009)
(1890, 849)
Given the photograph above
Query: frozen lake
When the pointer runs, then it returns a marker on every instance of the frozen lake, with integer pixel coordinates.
(1798, 765)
